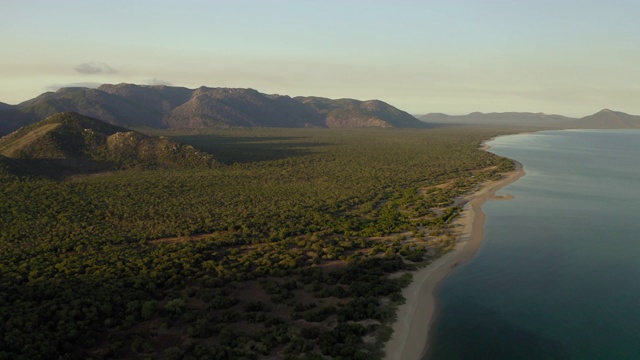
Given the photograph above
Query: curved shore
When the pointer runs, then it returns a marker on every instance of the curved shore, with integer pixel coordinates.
(409, 338)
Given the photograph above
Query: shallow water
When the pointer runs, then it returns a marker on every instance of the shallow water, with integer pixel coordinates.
(558, 273)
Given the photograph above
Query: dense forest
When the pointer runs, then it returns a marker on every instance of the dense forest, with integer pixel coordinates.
(297, 247)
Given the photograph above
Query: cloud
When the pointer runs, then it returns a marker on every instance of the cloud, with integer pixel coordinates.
(156, 81)
(91, 68)
(54, 87)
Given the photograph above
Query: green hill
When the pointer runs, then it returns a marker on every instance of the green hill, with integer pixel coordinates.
(69, 143)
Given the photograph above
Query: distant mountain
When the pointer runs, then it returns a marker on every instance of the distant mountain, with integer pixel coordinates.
(506, 118)
(608, 119)
(176, 107)
(604, 119)
(71, 143)
(349, 113)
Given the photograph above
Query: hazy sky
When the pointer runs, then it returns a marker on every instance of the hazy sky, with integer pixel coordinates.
(572, 57)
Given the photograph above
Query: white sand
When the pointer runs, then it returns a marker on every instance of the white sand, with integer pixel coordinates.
(409, 339)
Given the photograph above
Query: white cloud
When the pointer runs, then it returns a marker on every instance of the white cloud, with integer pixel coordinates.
(156, 81)
(92, 68)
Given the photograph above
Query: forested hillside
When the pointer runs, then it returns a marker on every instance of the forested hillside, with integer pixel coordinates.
(68, 143)
(284, 252)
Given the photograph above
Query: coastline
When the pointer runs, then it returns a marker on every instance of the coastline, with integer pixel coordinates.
(409, 338)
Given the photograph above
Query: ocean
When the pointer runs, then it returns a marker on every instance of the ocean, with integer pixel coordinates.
(558, 273)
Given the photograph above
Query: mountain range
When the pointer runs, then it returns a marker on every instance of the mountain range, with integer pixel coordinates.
(138, 106)
(604, 119)
(165, 107)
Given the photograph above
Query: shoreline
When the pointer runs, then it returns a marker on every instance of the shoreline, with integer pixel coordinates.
(409, 338)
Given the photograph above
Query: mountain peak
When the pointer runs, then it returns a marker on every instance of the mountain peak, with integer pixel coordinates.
(610, 112)
(609, 119)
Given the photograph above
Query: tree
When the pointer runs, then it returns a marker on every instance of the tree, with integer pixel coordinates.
(175, 306)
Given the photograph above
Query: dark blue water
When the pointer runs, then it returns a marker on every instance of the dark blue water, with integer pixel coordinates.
(558, 273)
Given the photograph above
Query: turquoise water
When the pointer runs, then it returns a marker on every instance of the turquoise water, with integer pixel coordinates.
(558, 273)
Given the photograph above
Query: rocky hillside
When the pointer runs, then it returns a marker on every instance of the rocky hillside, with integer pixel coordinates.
(176, 107)
(241, 107)
(71, 143)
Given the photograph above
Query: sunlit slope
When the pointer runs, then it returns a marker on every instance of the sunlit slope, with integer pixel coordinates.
(75, 140)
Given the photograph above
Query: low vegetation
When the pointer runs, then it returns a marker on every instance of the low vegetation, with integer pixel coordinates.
(286, 251)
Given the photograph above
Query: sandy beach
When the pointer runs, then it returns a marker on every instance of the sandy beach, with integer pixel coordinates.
(409, 339)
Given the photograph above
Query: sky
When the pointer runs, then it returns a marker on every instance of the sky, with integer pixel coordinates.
(569, 57)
